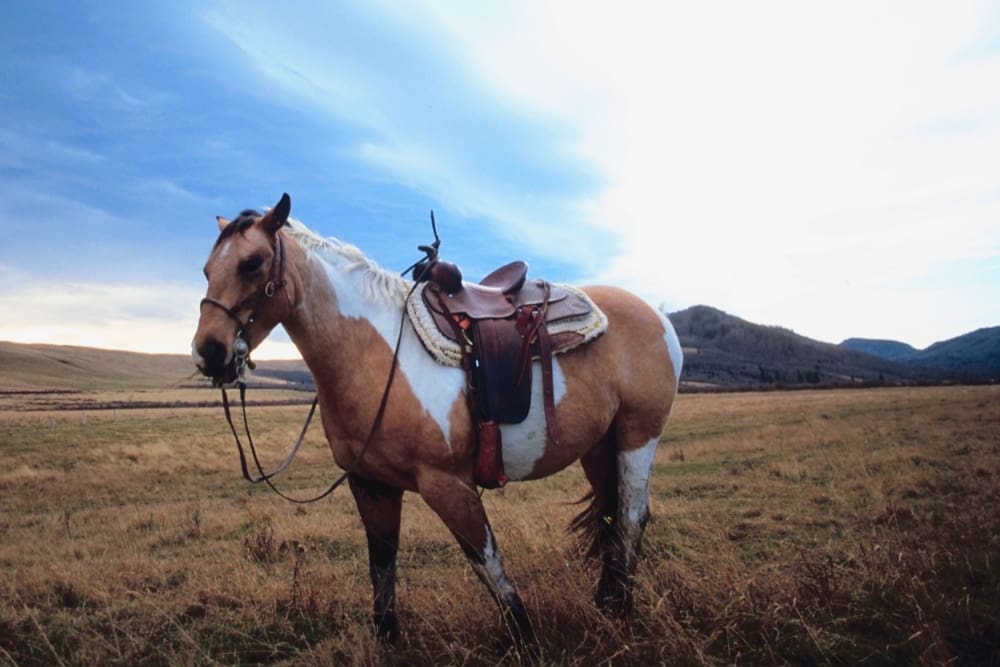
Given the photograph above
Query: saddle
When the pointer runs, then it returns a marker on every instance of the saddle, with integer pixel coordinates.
(501, 325)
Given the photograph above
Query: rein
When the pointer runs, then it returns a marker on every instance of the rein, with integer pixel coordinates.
(241, 360)
(266, 477)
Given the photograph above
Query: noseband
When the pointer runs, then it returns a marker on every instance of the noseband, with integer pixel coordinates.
(275, 281)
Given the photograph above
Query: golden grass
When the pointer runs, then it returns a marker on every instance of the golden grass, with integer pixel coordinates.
(801, 527)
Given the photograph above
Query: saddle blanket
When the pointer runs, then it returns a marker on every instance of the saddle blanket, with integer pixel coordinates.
(584, 328)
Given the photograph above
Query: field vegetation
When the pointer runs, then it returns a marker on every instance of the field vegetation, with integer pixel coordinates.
(807, 527)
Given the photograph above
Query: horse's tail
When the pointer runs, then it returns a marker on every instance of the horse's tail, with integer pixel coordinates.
(585, 526)
(595, 526)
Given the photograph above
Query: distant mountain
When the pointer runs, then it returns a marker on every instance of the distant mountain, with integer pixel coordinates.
(721, 350)
(886, 349)
(973, 356)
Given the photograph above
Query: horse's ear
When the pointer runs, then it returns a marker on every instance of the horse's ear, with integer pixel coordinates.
(276, 218)
(223, 222)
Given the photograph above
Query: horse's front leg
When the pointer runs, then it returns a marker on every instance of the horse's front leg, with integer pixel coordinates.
(459, 506)
(380, 507)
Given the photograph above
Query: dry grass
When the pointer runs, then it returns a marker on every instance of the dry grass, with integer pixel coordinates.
(828, 527)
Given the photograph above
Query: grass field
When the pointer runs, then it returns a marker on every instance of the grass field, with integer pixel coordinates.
(826, 527)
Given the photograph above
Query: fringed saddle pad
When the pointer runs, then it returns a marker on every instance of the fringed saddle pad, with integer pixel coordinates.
(567, 333)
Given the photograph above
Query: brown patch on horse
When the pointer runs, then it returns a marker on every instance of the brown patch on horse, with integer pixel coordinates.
(637, 389)
(406, 434)
(644, 376)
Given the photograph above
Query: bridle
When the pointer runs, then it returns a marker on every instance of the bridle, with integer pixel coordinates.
(241, 360)
(275, 281)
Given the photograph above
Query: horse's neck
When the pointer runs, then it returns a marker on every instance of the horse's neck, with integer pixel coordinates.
(338, 321)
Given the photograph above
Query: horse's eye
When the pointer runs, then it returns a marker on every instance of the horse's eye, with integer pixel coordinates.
(250, 265)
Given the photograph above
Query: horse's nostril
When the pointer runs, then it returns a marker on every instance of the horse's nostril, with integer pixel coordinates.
(213, 355)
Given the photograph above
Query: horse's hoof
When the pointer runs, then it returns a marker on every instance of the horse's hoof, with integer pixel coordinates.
(387, 628)
(614, 605)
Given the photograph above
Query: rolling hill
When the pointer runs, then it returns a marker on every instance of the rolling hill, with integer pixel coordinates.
(26, 367)
(39, 367)
(974, 356)
(721, 350)
(885, 349)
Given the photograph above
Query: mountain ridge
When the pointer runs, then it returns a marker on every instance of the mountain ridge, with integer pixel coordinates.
(973, 356)
(880, 347)
(725, 351)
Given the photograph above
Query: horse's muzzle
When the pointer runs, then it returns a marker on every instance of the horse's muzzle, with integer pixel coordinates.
(213, 361)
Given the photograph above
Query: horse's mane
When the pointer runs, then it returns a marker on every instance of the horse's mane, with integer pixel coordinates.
(379, 284)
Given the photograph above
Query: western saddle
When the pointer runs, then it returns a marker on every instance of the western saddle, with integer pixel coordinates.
(501, 326)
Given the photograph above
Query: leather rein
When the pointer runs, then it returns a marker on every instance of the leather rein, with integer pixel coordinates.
(241, 361)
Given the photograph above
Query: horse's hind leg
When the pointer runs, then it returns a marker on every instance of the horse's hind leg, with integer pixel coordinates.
(633, 513)
(380, 507)
(461, 509)
(617, 516)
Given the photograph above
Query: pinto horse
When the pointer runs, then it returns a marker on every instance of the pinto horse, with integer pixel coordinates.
(612, 397)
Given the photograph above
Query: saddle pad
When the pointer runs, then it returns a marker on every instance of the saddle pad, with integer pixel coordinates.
(566, 333)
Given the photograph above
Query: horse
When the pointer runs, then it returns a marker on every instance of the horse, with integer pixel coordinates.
(612, 398)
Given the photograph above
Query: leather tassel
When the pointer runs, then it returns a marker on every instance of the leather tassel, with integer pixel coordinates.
(488, 470)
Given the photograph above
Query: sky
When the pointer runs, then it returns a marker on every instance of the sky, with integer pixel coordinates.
(832, 168)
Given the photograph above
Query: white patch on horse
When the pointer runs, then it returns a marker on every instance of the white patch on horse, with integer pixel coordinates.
(673, 347)
(491, 569)
(224, 249)
(436, 387)
(524, 443)
(633, 494)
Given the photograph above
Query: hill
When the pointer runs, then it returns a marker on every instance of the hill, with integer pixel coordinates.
(974, 356)
(25, 367)
(38, 367)
(292, 372)
(721, 350)
(885, 349)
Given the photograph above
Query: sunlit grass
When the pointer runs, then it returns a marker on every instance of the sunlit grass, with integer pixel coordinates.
(801, 527)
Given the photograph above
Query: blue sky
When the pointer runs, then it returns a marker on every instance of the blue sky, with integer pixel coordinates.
(832, 169)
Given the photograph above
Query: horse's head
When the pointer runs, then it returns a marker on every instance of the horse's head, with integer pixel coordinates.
(247, 294)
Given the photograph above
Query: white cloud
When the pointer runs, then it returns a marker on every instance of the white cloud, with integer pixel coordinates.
(89, 86)
(71, 154)
(155, 318)
(794, 163)
(415, 119)
(763, 157)
(146, 318)
(537, 224)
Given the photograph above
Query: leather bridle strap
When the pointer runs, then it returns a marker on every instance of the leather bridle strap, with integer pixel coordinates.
(275, 280)
(228, 311)
(246, 426)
